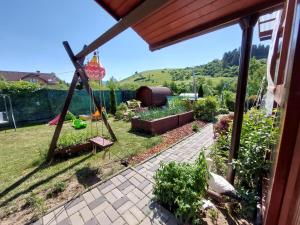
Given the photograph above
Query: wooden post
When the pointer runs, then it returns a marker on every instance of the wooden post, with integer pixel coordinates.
(62, 117)
(84, 79)
(247, 24)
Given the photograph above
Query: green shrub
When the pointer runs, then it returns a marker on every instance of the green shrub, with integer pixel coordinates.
(258, 136)
(229, 99)
(180, 188)
(206, 108)
(18, 87)
(119, 115)
(113, 104)
(251, 101)
(122, 107)
(121, 110)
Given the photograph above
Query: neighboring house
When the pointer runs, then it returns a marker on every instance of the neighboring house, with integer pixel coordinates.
(34, 77)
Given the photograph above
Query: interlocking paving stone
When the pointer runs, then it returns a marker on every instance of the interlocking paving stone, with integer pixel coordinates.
(97, 202)
(49, 218)
(130, 219)
(88, 197)
(117, 204)
(123, 208)
(119, 221)
(76, 219)
(93, 221)
(111, 213)
(124, 185)
(103, 219)
(74, 202)
(127, 197)
(125, 172)
(86, 214)
(138, 214)
(100, 208)
(95, 192)
(66, 221)
(76, 208)
(144, 184)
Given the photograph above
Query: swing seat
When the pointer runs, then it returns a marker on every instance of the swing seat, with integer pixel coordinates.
(101, 142)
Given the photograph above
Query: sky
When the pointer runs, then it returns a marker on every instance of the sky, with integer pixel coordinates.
(32, 32)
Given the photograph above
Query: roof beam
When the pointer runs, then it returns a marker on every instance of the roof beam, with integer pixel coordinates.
(146, 8)
(216, 24)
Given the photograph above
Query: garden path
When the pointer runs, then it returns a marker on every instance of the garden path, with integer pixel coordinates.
(126, 197)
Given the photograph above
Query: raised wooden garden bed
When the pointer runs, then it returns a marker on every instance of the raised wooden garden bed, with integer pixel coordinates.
(162, 125)
(74, 149)
(185, 118)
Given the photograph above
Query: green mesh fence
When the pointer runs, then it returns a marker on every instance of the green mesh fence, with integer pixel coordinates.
(43, 105)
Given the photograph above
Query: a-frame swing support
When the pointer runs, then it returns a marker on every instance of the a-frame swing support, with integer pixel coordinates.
(79, 73)
(146, 8)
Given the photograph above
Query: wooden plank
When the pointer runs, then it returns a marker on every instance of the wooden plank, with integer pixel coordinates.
(247, 25)
(125, 8)
(80, 70)
(134, 16)
(216, 23)
(101, 142)
(206, 14)
(285, 165)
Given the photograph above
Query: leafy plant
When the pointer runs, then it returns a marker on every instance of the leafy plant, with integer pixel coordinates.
(75, 137)
(195, 127)
(157, 113)
(36, 203)
(223, 124)
(180, 187)
(57, 188)
(213, 215)
(206, 108)
(258, 136)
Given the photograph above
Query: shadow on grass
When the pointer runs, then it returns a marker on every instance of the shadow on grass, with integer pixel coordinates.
(87, 176)
(141, 134)
(37, 184)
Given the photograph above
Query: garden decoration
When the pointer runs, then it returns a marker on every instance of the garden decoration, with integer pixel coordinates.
(79, 124)
(95, 71)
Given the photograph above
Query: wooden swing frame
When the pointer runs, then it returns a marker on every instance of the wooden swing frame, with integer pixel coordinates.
(79, 73)
(137, 14)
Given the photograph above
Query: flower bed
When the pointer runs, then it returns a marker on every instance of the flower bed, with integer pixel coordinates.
(161, 125)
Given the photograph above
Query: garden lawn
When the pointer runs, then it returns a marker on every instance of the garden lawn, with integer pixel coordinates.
(22, 153)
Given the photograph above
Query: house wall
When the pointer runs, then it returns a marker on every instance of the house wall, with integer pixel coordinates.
(35, 79)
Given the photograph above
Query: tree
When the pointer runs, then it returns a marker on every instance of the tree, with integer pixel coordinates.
(257, 71)
(112, 96)
(200, 91)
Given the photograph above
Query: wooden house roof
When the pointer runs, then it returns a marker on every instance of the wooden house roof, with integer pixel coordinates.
(178, 20)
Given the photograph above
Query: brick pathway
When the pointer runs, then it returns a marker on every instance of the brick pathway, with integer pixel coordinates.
(126, 197)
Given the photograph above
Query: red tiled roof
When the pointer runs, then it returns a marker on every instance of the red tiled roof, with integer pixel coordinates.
(49, 78)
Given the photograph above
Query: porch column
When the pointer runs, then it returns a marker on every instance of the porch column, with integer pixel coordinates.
(247, 24)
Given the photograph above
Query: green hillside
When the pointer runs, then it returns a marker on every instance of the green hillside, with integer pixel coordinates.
(214, 74)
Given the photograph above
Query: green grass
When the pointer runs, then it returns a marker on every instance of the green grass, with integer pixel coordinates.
(22, 152)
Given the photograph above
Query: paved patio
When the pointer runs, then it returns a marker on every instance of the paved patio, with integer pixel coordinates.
(126, 197)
